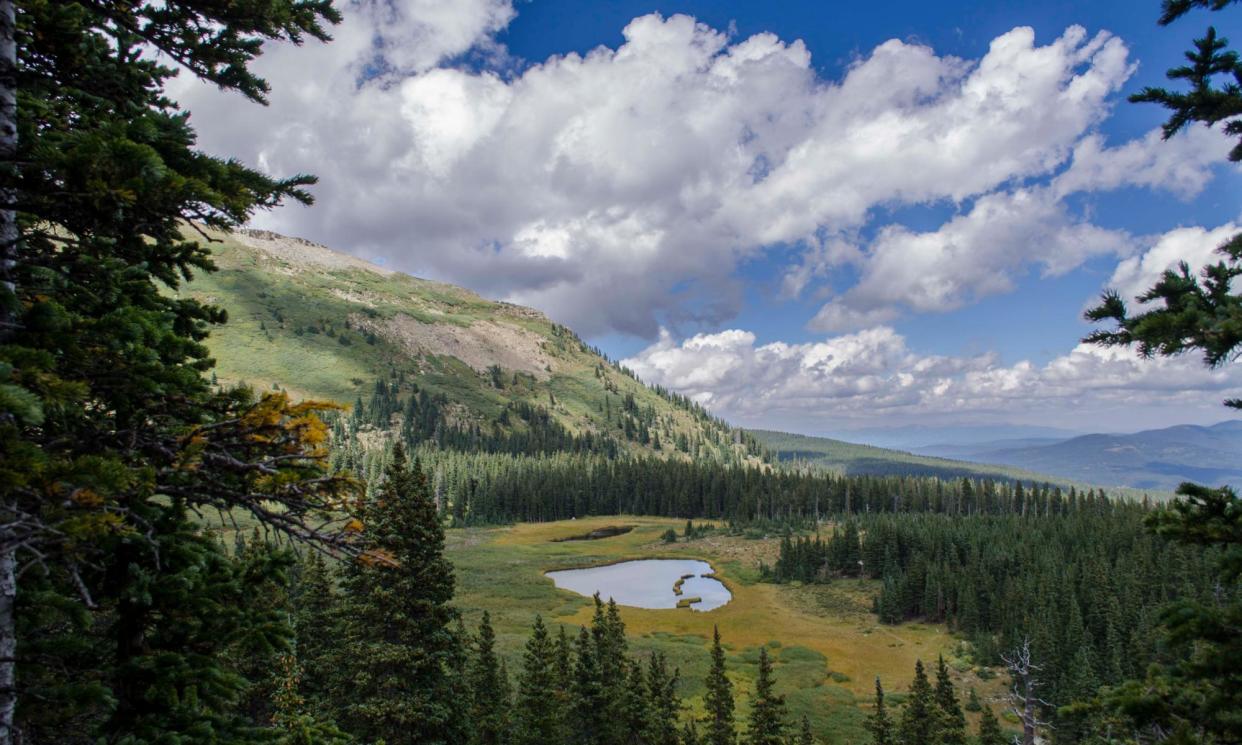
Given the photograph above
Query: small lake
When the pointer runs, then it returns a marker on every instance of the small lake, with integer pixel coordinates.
(647, 583)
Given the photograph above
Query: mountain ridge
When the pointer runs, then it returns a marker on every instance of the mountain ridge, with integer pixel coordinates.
(326, 325)
(1149, 459)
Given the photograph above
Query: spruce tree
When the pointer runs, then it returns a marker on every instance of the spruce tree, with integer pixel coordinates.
(950, 721)
(398, 649)
(767, 709)
(110, 430)
(489, 694)
(315, 614)
(805, 736)
(537, 718)
(634, 707)
(879, 724)
(663, 705)
(690, 734)
(182, 604)
(589, 703)
(918, 723)
(718, 700)
(608, 634)
(990, 730)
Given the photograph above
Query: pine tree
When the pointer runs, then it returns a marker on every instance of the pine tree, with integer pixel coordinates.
(563, 669)
(634, 706)
(805, 736)
(918, 726)
(181, 604)
(608, 634)
(690, 734)
(537, 718)
(718, 700)
(398, 648)
(989, 729)
(292, 718)
(663, 705)
(108, 423)
(950, 721)
(589, 704)
(879, 725)
(489, 693)
(767, 709)
(315, 614)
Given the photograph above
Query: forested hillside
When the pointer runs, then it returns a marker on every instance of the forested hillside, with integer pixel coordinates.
(325, 325)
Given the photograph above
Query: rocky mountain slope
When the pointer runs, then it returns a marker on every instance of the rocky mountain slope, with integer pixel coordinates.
(322, 324)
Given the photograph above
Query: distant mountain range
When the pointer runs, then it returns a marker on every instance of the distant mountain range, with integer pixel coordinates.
(852, 459)
(1157, 459)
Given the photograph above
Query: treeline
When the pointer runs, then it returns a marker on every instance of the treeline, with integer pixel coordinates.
(483, 488)
(1084, 587)
(525, 428)
(424, 418)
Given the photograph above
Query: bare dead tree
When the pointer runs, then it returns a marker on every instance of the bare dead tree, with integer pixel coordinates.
(1023, 699)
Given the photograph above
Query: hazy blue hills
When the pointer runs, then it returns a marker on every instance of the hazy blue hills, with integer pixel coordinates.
(1151, 459)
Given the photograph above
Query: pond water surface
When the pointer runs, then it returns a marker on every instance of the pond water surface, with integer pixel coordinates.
(647, 583)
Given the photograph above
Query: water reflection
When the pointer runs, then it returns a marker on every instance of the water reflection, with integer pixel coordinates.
(648, 583)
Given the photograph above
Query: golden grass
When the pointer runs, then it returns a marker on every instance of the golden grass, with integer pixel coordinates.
(828, 646)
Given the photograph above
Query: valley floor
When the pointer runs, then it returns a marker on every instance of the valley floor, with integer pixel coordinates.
(828, 645)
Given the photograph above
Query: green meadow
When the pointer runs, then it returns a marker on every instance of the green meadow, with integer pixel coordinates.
(827, 645)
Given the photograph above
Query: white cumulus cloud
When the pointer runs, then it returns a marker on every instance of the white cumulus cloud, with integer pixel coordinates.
(624, 186)
(855, 378)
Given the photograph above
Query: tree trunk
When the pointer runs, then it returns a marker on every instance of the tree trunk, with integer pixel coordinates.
(8, 159)
(1029, 717)
(8, 644)
(8, 315)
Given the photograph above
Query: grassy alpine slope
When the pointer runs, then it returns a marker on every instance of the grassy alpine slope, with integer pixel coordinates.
(326, 325)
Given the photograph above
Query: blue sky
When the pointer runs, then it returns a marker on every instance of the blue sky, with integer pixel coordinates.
(1048, 311)
(822, 217)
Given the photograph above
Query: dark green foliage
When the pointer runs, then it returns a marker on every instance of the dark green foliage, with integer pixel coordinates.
(1081, 585)
(508, 487)
(633, 705)
(670, 536)
(110, 433)
(538, 716)
(663, 706)
(1194, 693)
(182, 606)
(918, 719)
(718, 700)
(1205, 102)
(489, 690)
(398, 651)
(315, 604)
(690, 734)
(805, 736)
(588, 711)
(879, 724)
(989, 729)
(767, 709)
(950, 721)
